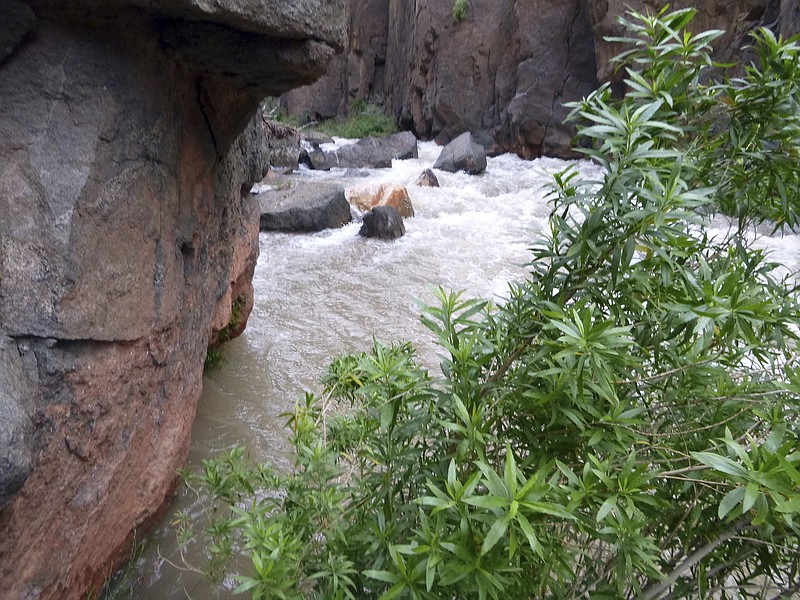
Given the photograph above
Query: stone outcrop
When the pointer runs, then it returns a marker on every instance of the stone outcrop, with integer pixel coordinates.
(462, 154)
(304, 207)
(383, 223)
(128, 238)
(506, 70)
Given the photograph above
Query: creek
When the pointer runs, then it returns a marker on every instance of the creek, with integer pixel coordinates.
(324, 294)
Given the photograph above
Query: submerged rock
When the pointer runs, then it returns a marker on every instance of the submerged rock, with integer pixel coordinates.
(462, 154)
(427, 179)
(384, 223)
(306, 207)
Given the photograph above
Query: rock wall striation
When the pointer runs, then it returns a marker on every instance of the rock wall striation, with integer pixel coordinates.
(504, 72)
(127, 234)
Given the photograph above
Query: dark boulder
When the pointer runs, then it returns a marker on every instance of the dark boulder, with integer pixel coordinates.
(307, 207)
(16, 427)
(462, 154)
(376, 152)
(315, 159)
(384, 223)
(427, 179)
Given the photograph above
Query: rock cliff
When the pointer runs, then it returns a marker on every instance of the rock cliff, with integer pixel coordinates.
(127, 234)
(505, 71)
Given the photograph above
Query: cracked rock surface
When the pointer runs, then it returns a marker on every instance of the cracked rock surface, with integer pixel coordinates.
(127, 231)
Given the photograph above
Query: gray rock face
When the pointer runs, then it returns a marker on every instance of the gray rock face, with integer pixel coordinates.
(305, 208)
(790, 18)
(462, 154)
(16, 427)
(383, 223)
(505, 72)
(127, 150)
(19, 19)
(357, 73)
(375, 152)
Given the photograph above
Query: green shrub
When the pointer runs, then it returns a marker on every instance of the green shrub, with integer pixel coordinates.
(460, 10)
(213, 359)
(625, 425)
(363, 120)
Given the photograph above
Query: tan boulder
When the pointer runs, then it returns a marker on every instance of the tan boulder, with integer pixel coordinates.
(367, 197)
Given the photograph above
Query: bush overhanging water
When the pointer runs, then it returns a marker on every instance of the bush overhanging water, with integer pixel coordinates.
(625, 425)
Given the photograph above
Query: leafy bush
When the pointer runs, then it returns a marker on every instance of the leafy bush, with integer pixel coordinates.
(460, 10)
(624, 425)
(363, 120)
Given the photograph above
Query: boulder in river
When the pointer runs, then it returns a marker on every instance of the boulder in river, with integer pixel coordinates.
(375, 152)
(307, 207)
(368, 197)
(462, 154)
(384, 223)
(316, 159)
(427, 179)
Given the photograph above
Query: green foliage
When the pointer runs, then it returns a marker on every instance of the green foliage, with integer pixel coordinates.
(363, 120)
(625, 425)
(740, 136)
(460, 10)
(237, 306)
(213, 359)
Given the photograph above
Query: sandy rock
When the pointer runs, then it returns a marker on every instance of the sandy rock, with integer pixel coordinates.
(367, 197)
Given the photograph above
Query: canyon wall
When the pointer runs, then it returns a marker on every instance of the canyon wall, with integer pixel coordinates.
(505, 71)
(127, 234)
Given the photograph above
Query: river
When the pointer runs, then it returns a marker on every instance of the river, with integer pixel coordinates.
(324, 294)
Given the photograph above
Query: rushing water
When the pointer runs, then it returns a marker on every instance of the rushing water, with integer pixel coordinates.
(320, 295)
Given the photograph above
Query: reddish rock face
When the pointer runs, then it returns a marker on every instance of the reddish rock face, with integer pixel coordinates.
(127, 232)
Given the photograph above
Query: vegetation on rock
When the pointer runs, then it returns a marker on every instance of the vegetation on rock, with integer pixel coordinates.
(363, 120)
(625, 425)
(460, 10)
